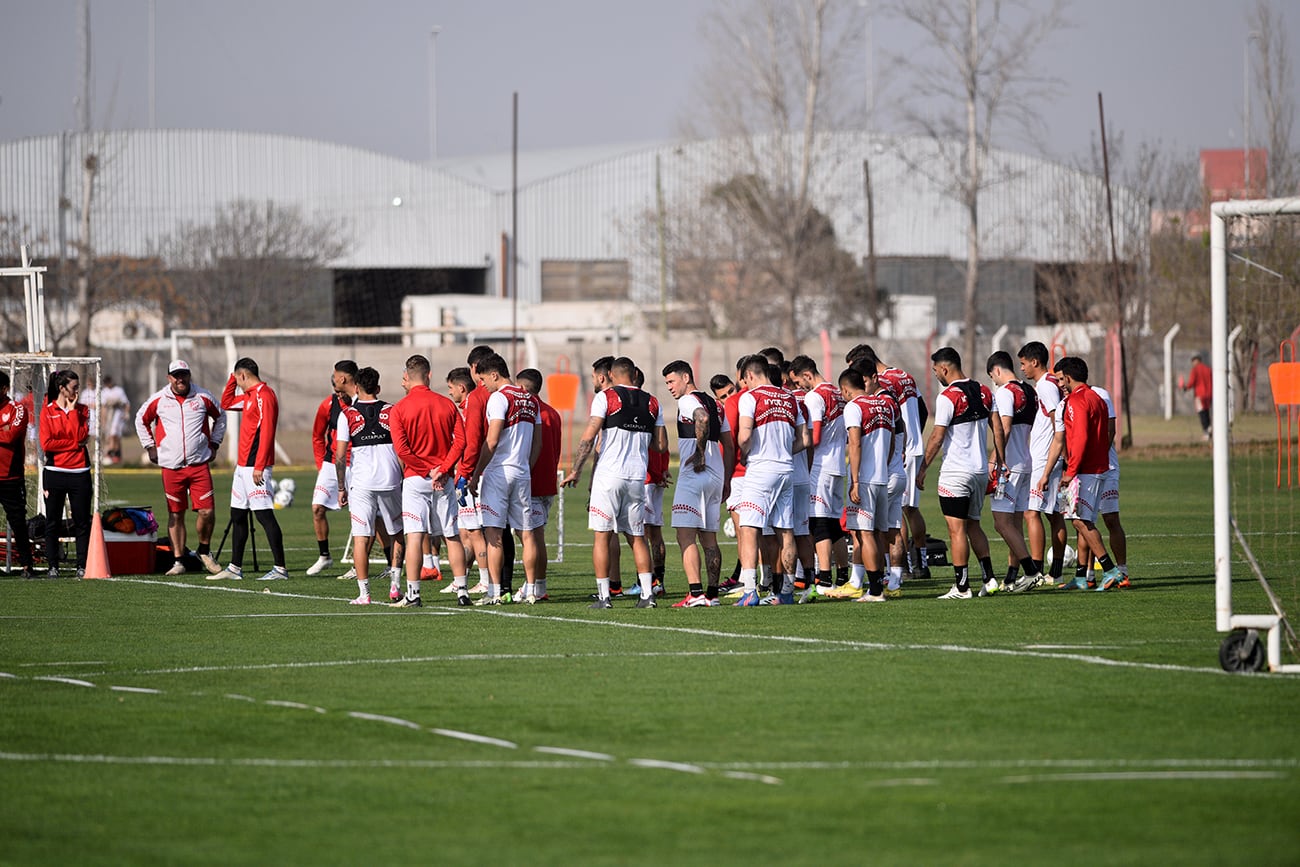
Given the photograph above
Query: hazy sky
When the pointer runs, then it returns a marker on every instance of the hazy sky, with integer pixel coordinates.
(589, 72)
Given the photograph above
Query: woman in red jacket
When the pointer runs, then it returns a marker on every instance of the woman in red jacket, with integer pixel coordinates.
(65, 427)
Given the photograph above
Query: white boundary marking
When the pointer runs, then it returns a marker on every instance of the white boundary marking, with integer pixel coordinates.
(473, 738)
(577, 754)
(391, 720)
(1118, 776)
(139, 689)
(78, 662)
(72, 680)
(682, 767)
(296, 705)
(1005, 764)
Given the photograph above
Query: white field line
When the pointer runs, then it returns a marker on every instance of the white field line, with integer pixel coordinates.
(259, 588)
(1008, 764)
(477, 739)
(78, 662)
(140, 689)
(72, 680)
(1146, 775)
(472, 657)
(296, 705)
(681, 767)
(191, 761)
(878, 645)
(1086, 659)
(577, 754)
(391, 720)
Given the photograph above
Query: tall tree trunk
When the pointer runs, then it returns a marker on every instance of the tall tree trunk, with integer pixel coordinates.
(970, 312)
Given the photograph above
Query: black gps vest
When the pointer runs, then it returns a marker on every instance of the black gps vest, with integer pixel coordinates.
(630, 409)
(375, 431)
(686, 429)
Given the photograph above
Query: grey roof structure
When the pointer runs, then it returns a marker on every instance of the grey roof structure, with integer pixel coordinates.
(579, 204)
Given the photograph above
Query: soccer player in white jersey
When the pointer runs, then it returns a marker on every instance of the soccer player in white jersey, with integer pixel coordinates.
(825, 406)
(871, 423)
(654, 511)
(706, 456)
(503, 480)
(1034, 364)
(1015, 410)
(912, 555)
(962, 420)
(801, 502)
(770, 433)
(372, 490)
(631, 429)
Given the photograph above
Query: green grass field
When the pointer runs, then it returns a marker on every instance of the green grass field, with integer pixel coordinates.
(152, 720)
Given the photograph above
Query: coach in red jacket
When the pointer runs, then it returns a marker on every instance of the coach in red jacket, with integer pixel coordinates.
(65, 427)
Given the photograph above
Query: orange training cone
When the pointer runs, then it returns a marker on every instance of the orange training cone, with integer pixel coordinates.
(97, 556)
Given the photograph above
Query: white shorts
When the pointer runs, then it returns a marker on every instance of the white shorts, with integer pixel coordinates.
(897, 490)
(827, 496)
(1082, 496)
(365, 504)
(539, 513)
(617, 505)
(244, 494)
(468, 516)
(737, 492)
(873, 512)
(504, 497)
(1109, 493)
(912, 495)
(972, 486)
(1045, 500)
(654, 505)
(768, 501)
(800, 507)
(697, 500)
(326, 492)
(426, 509)
(1016, 497)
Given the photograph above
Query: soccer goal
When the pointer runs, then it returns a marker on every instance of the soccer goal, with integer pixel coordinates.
(1255, 331)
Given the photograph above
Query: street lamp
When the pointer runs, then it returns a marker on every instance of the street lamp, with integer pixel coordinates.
(433, 92)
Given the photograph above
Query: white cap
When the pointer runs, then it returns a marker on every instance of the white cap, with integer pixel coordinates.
(177, 366)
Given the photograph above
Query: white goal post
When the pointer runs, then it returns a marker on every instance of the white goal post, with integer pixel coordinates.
(1225, 619)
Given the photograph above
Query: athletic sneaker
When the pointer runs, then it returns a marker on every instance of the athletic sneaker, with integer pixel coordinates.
(685, 601)
(490, 600)
(178, 568)
(1074, 584)
(896, 593)
(210, 563)
(478, 589)
(954, 593)
(407, 602)
(809, 595)
(1110, 579)
(229, 573)
(646, 602)
(428, 573)
(350, 575)
(394, 592)
(601, 603)
(729, 585)
(748, 600)
(657, 588)
(360, 600)
(1123, 583)
(464, 601)
(843, 591)
(53, 573)
(989, 587)
(770, 599)
(81, 572)
(1026, 582)
(275, 575)
(1092, 583)
(450, 588)
(613, 594)
(867, 597)
(323, 562)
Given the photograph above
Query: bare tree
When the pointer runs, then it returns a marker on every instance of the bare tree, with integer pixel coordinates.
(973, 78)
(255, 265)
(769, 94)
(1275, 83)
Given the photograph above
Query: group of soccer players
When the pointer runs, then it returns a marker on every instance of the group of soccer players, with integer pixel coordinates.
(429, 472)
(803, 466)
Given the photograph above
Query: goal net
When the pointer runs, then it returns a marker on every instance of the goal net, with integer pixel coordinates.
(1255, 322)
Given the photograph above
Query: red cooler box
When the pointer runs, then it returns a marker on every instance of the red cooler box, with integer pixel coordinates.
(130, 553)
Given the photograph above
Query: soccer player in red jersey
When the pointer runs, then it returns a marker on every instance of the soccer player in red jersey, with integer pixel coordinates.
(429, 439)
(324, 432)
(252, 489)
(544, 485)
(13, 487)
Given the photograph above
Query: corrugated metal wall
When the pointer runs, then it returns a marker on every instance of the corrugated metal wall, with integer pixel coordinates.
(153, 181)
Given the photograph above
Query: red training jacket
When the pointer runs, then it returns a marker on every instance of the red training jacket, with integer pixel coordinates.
(428, 435)
(475, 429)
(261, 412)
(63, 436)
(13, 440)
(1087, 433)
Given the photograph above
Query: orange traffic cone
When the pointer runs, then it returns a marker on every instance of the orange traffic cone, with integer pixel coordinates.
(97, 556)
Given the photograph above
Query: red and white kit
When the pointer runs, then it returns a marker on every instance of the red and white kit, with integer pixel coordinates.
(963, 408)
(186, 431)
(544, 479)
(1087, 446)
(429, 440)
(324, 432)
(902, 385)
(1019, 402)
(506, 488)
(261, 413)
(697, 498)
(375, 477)
(825, 413)
(876, 416)
(618, 482)
(768, 499)
(473, 411)
(1110, 484)
(1040, 443)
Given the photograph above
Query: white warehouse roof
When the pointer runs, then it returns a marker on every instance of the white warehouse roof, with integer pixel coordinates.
(576, 204)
